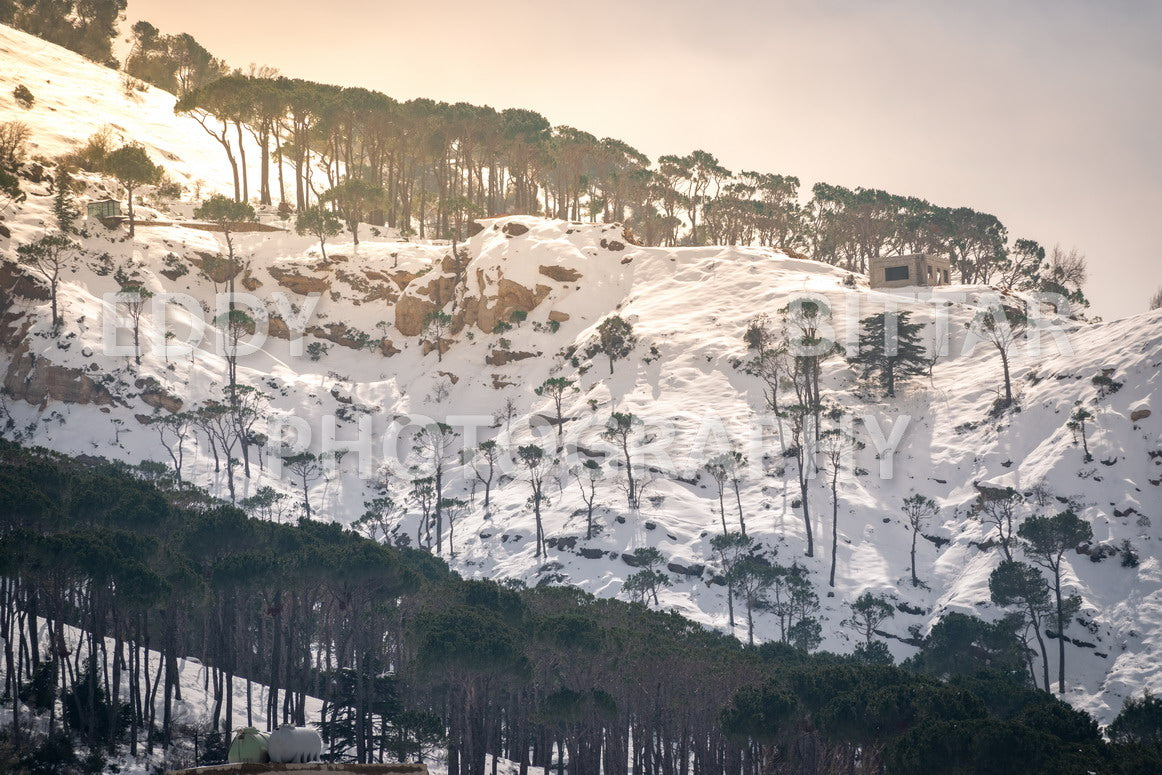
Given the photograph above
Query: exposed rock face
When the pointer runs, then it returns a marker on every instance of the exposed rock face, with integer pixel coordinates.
(474, 228)
(501, 357)
(217, 268)
(1139, 412)
(340, 334)
(514, 229)
(277, 327)
(159, 399)
(485, 313)
(561, 274)
(424, 295)
(401, 277)
(299, 283)
(427, 347)
(989, 493)
(375, 286)
(39, 381)
(410, 312)
(387, 348)
(557, 316)
(17, 282)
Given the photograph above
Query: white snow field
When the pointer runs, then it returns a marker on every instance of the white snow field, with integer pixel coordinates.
(689, 308)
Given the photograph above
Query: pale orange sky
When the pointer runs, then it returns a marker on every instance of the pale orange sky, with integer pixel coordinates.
(1046, 114)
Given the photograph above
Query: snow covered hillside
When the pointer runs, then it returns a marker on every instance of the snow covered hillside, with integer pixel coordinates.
(367, 368)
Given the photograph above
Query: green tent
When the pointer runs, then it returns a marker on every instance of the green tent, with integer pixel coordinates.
(249, 745)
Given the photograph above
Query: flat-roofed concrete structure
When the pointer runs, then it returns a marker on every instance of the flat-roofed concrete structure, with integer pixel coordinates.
(903, 271)
(318, 768)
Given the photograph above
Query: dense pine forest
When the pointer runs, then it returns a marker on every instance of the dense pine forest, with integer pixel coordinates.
(429, 168)
(409, 658)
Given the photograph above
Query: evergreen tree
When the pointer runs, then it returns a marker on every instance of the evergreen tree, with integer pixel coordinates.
(557, 388)
(643, 585)
(620, 430)
(1139, 722)
(867, 613)
(50, 256)
(537, 465)
(1046, 540)
(917, 510)
(890, 350)
(64, 206)
(132, 167)
(615, 339)
(354, 197)
(1076, 424)
(320, 222)
(1014, 583)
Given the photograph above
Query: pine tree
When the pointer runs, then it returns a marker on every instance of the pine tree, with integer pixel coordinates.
(890, 349)
(132, 167)
(1046, 540)
(556, 388)
(64, 208)
(615, 339)
(50, 256)
(917, 509)
(319, 222)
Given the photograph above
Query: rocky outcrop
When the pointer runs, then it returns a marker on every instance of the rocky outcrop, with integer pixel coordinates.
(15, 281)
(424, 295)
(153, 395)
(371, 285)
(299, 283)
(556, 316)
(340, 334)
(515, 229)
(250, 282)
(509, 296)
(410, 313)
(1139, 412)
(38, 381)
(502, 357)
(218, 268)
(561, 274)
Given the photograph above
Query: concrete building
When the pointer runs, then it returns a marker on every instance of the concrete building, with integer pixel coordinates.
(919, 269)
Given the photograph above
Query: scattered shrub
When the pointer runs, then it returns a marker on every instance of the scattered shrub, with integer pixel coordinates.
(1105, 385)
(316, 350)
(91, 157)
(13, 144)
(23, 96)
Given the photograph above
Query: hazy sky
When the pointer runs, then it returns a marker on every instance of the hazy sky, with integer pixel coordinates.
(1047, 114)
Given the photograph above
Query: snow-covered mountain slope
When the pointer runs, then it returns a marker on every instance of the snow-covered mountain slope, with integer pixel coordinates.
(370, 372)
(75, 99)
